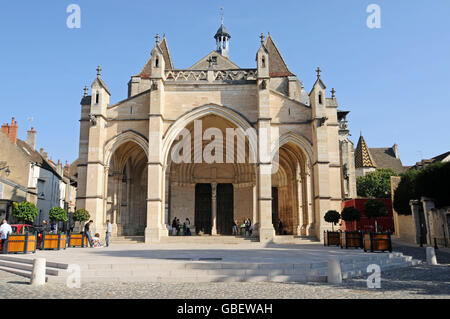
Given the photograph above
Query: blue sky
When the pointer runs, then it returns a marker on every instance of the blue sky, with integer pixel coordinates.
(394, 80)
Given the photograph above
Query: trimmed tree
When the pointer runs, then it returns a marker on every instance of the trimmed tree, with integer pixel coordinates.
(58, 214)
(374, 209)
(25, 212)
(332, 217)
(351, 214)
(81, 215)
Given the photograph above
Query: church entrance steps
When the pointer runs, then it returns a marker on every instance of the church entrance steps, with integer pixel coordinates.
(207, 240)
(127, 239)
(140, 264)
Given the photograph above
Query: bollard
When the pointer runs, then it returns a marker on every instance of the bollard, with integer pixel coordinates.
(334, 271)
(38, 273)
(431, 256)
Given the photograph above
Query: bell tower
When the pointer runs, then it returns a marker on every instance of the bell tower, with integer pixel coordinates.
(222, 40)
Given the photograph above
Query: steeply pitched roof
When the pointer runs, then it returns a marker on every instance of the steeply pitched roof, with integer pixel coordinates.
(101, 83)
(146, 71)
(277, 66)
(223, 63)
(363, 158)
(385, 158)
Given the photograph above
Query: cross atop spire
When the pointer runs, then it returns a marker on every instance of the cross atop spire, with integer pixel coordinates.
(157, 38)
(333, 91)
(86, 89)
(221, 14)
(318, 70)
(262, 38)
(99, 70)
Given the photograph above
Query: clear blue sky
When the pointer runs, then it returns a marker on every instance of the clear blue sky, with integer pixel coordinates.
(394, 80)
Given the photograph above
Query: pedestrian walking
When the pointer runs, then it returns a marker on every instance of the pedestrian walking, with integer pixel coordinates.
(187, 227)
(108, 232)
(87, 232)
(5, 230)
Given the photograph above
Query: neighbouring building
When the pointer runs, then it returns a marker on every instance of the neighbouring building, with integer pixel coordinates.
(370, 159)
(141, 164)
(426, 222)
(29, 175)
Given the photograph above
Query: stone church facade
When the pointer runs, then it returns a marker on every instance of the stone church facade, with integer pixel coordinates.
(298, 162)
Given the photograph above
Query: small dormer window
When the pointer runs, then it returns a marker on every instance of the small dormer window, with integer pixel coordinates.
(320, 98)
(263, 62)
(97, 97)
(157, 63)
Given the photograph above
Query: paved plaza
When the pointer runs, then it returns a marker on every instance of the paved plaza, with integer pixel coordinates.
(421, 281)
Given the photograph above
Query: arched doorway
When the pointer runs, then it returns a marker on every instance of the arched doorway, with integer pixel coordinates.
(211, 192)
(291, 209)
(126, 203)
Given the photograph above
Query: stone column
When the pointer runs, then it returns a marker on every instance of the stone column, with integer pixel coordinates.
(309, 200)
(255, 220)
(416, 219)
(214, 209)
(428, 205)
(301, 221)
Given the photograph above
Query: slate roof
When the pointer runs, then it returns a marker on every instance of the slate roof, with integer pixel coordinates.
(146, 70)
(385, 158)
(277, 66)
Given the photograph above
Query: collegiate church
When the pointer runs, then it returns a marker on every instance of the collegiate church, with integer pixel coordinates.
(291, 159)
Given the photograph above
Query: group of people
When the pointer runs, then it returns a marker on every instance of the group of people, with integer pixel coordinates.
(95, 242)
(176, 227)
(246, 226)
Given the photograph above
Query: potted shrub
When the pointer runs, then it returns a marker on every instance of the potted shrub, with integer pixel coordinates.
(352, 238)
(58, 214)
(351, 214)
(376, 241)
(373, 209)
(81, 215)
(332, 238)
(25, 212)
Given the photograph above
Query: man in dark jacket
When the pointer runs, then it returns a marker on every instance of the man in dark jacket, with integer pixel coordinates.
(87, 232)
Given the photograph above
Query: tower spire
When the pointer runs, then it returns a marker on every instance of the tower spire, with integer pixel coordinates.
(222, 37)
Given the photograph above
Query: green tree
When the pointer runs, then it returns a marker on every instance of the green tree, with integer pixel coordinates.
(81, 215)
(58, 214)
(375, 184)
(332, 217)
(406, 191)
(25, 212)
(434, 181)
(350, 214)
(374, 209)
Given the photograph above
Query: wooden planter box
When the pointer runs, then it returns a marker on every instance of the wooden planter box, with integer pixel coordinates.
(78, 240)
(331, 238)
(19, 244)
(377, 242)
(53, 241)
(352, 239)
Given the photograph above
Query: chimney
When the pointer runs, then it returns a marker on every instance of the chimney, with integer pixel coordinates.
(31, 138)
(395, 149)
(11, 130)
(43, 154)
